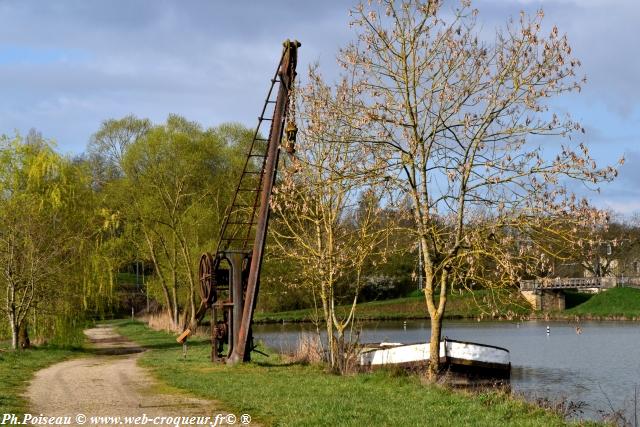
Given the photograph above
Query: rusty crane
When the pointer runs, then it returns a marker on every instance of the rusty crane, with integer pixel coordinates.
(230, 278)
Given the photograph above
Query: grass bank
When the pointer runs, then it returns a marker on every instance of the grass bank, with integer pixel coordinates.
(477, 304)
(276, 392)
(613, 303)
(17, 369)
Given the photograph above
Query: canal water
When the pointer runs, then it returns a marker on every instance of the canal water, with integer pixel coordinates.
(598, 368)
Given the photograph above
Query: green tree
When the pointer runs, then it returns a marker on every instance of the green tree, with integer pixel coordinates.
(45, 215)
(177, 182)
(108, 145)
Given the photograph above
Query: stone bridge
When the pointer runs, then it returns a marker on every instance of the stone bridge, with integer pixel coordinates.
(547, 293)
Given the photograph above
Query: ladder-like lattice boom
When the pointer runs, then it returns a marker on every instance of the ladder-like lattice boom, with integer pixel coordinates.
(245, 225)
(238, 227)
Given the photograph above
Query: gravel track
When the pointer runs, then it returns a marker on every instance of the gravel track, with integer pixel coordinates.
(109, 383)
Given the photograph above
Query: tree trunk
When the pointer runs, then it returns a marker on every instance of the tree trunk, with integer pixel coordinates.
(192, 301)
(175, 316)
(340, 354)
(163, 282)
(328, 323)
(188, 262)
(14, 332)
(23, 336)
(434, 347)
(331, 343)
(173, 261)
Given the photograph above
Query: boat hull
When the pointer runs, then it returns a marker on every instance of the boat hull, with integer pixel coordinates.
(468, 358)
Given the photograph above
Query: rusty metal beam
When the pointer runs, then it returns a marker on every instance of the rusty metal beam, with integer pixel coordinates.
(287, 75)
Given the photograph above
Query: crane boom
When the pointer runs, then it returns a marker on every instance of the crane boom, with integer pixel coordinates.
(243, 233)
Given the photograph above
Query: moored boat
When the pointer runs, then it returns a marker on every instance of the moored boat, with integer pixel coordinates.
(457, 356)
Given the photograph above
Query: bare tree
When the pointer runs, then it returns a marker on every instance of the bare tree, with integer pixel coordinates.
(328, 213)
(462, 127)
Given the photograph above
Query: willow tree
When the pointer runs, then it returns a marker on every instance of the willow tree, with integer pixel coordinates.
(328, 219)
(463, 124)
(45, 215)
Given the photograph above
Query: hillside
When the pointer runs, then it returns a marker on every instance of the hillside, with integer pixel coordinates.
(613, 302)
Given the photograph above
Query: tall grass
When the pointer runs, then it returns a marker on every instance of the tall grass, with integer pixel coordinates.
(161, 322)
(309, 350)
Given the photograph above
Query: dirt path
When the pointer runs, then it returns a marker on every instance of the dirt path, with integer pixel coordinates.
(109, 384)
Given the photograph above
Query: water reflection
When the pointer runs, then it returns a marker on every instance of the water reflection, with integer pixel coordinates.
(600, 366)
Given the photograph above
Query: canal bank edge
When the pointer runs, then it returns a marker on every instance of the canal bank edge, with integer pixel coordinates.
(612, 304)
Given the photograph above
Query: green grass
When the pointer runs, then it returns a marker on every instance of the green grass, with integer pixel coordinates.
(482, 303)
(275, 392)
(616, 302)
(17, 369)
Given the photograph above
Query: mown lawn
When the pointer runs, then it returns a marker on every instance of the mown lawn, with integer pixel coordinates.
(478, 304)
(17, 369)
(616, 302)
(280, 393)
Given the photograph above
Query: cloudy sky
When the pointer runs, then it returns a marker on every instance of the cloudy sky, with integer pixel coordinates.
(67, 65)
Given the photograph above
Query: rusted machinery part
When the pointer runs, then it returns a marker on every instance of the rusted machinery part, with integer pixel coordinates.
(220, 331)
(219, 337)
(206, 273)
(290, 137)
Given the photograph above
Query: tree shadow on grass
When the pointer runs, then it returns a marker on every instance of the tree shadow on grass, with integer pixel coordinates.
(278, 364)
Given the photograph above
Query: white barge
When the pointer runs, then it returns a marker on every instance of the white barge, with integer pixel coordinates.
(457, 356)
